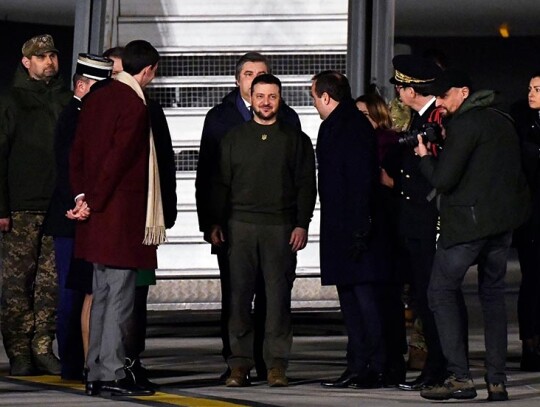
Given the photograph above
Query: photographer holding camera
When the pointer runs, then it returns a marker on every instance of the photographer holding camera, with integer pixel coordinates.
(483, 197)
(417, 215)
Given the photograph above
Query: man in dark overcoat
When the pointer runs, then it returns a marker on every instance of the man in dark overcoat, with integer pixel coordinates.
(346, 154)
(90, 69)
(417, 214)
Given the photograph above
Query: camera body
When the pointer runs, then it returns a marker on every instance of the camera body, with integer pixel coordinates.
(430, 132)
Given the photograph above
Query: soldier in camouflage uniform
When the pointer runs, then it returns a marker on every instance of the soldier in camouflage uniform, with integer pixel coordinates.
(28, 115)
(400, 114)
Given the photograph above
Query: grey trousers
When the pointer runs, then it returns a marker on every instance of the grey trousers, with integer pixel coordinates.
(445, 296)
(113, 297)
(254, 247)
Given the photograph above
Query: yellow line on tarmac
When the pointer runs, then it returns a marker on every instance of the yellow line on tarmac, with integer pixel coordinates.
(159, 397)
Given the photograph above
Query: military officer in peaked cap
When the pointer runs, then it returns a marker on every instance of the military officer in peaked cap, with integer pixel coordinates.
(418, 215)
(89, 70)
(410, 70)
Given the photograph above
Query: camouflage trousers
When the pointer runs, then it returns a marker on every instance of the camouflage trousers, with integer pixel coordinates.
(29, 287)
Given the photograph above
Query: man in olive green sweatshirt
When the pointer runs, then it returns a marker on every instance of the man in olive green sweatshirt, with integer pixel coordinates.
(265, 192)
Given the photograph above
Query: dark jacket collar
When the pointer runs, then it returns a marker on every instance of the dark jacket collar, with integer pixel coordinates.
(342, 109)
(22, 80)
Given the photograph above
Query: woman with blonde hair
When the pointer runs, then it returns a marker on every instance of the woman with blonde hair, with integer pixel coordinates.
(378, 114)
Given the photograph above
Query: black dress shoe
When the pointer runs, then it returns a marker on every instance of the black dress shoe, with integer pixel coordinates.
(144, 383)
(92, 388)
(139, 375)
(262, 373)
(420, 383)
(84, 378)
(124, 387)
(343, 381)
(530, 360)
(372, 380)
(392, 379)
(395, 372)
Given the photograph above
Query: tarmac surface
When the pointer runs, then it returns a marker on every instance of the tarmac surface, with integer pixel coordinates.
(183, 356)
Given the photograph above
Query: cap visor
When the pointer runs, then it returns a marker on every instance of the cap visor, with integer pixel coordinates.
(43, 51)
(438, 89)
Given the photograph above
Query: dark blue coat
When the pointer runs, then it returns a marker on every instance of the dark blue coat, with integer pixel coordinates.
(417, 216)
(56, 223)
(348, 174)
(165, 159)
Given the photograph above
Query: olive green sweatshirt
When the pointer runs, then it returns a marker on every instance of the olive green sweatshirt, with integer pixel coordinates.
(267, 176)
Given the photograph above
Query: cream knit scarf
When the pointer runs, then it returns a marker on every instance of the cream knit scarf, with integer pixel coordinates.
(154, 232)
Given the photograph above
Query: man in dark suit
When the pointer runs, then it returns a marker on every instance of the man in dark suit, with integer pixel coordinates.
(483, 198)
(111, 173)
(232, 111)
(417, 214)
(90, 69)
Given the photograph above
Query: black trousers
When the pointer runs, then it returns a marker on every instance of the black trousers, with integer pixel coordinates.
(529, 298)
(417, 256)
(134, 342)
(361, 309)
(394, 333)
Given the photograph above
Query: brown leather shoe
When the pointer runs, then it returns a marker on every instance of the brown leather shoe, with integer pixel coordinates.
(277, 378)
(238, 377)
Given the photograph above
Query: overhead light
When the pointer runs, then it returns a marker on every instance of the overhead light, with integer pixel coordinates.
(504, 30)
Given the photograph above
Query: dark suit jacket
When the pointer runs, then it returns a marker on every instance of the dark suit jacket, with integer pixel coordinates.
(417, 215)
(165, 158)
(109, 164)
